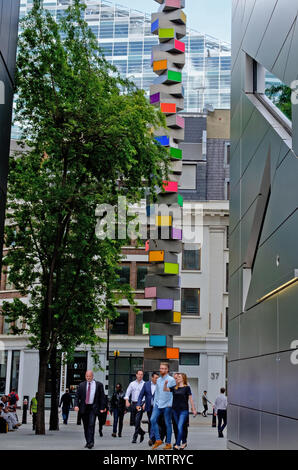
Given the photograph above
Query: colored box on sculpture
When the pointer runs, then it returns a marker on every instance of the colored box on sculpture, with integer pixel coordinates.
(180, 200)
(176, 153)
(157, 340)
(171, 268)
(155, 98)
(165, 33)
(177, 317)
(176, 234)
(180, 122)
(156, 256)
(169, 108)
(170, 186)
(179, 45)
(164, 304)
(160, 65)
(150, 292)
(163, 220)
(154, 26)
(172, 353)
(174, 76)
(163, 140)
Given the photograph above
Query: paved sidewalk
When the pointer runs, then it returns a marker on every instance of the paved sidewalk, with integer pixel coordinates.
(71, 437)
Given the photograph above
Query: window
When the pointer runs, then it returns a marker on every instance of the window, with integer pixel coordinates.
(188, 177)
(227, 320)
(190, 302)
(191, 256)
(120, 324)
(189, 359)
(227, 153)
(3, 366)
(140, 327)
(141, 276)
(227, 237)
(6, 327)
(124, 273)
(15, 366)
(121, 30)
(227, 190)
(120, 48)
(107, 48)
(227, 277)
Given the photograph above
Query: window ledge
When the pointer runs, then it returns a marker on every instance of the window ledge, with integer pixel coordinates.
(183, 315)
(196, 271)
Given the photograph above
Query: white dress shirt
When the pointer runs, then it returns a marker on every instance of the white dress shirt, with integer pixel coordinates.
(134, 390)
(92, 391)
(221, 402)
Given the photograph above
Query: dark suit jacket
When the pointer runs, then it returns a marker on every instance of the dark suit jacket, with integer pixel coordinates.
(99, 397)
(146, 392)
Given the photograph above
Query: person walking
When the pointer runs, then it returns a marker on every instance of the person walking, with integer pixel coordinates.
(67, 403)
(33, 410)
(148, 391)
(205, 402)
(163, 405)
(133, 391)
(13, 399)
(220, 409)
(118, 409)
(89, 400)
(181, 397)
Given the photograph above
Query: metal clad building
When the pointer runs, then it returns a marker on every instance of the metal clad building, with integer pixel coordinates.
(263, 320)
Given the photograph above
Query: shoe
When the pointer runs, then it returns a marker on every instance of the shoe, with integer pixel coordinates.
(119, 435)
(100, 433)
(89, 446)
(176, 448)
(167, 447)
(114, 434)
(221, 435)
(157, 444)
(150, 443)
(134, 441)
(183, 446)
(142, 437)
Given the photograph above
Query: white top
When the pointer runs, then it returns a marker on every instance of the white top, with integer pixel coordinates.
(153, 388)
(134, 390)
(221, 402)
(92, 391)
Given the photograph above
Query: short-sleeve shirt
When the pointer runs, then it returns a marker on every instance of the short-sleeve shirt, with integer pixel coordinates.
(180, 398)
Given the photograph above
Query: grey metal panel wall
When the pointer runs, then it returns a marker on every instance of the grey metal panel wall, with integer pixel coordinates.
(9, 17)
(263, 379)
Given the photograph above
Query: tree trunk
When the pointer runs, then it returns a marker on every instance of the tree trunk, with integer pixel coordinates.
(54, 415)
(40, 417)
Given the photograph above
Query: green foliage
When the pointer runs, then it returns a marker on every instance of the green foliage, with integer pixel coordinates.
(87, 137)
(281, 97)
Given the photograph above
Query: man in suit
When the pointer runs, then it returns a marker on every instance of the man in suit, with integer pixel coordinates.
(148, 392)
(89, 400)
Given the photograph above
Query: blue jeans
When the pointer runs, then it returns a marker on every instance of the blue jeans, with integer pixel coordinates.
(167, 412)
(180, 418)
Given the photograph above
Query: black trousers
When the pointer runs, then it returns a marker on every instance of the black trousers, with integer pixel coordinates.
(204, 412)
(102, 417)
(137, 420)
(89, 418)
(222, 417)
(34, 417)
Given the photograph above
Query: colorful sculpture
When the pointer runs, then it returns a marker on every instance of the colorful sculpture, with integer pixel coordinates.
(163, 281)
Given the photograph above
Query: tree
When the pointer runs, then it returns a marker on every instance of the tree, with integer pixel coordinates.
(89, 139)
(281, 97)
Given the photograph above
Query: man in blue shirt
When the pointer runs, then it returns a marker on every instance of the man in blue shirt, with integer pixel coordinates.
(163, 405)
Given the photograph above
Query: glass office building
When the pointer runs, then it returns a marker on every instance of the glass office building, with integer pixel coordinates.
(125, 37)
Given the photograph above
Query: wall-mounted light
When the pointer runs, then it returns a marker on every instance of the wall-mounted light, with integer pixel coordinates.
(292, 279)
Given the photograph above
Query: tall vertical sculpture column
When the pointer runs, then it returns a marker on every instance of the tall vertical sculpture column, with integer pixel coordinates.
(163, 281)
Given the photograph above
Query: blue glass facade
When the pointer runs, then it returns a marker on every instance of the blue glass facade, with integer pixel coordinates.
(126, 39)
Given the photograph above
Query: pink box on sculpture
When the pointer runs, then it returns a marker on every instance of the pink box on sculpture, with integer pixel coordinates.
(147, 245)
(173, 3)
(179, 45)
(170, 186)
(150, 292)
(180, 121)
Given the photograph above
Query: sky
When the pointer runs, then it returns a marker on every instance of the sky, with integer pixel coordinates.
(212, 17)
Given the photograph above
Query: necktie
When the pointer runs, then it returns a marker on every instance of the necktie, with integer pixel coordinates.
(88, 393)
